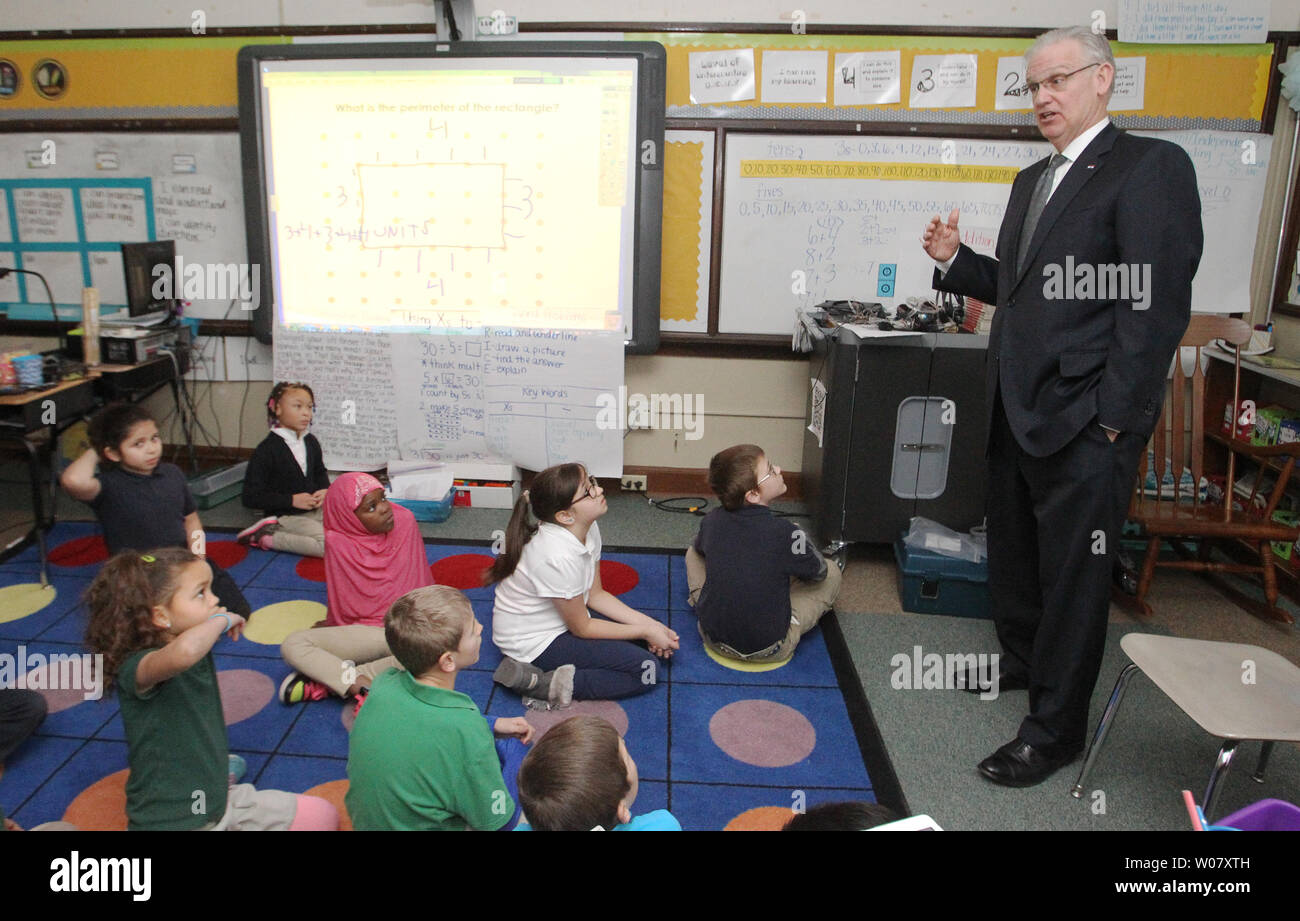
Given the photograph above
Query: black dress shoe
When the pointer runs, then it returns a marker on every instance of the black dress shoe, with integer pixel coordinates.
(975, 681)
(1019, 764)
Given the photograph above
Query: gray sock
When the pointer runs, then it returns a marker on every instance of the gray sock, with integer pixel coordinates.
(522, 678)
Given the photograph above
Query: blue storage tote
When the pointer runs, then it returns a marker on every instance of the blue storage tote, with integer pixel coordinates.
(427, 509)
(931, 583)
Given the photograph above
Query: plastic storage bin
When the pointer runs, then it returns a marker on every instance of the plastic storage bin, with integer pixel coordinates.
(427, 509)
(1266, 815)
(931, 583)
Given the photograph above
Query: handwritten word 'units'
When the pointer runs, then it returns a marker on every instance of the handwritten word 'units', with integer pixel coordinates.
(787, 208)
(330, 234)
(832, 169)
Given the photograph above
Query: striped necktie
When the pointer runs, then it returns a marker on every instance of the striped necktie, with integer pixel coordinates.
(1038, 201)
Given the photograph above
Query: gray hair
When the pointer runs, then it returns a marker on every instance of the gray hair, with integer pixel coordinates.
(1095, 47)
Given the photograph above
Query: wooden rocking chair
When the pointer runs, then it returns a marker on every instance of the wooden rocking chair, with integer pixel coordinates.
(1176, 513)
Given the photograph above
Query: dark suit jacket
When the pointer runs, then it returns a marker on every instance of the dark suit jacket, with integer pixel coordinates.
(1065, 359)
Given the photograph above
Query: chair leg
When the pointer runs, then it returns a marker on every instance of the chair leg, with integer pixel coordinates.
(1148, 573)
(1103, 727)
(1221, 765)
(1264, 753)
(1270, 576)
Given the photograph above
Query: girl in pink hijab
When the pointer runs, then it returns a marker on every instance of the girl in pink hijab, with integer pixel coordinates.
(373, 552)
(373, 555)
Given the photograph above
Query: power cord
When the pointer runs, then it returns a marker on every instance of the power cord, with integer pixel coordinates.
(695, 505)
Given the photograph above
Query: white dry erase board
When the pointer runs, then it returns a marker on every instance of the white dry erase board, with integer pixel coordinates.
(812, 218)
(67, 202)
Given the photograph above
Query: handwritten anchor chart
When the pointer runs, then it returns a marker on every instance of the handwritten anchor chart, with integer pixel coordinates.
(826, 218)
(464, 228)
(527, 395)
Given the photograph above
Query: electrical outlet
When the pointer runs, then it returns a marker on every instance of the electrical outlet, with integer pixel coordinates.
(633, 482)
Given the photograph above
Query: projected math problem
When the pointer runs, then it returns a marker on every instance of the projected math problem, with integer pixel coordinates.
(450, 200)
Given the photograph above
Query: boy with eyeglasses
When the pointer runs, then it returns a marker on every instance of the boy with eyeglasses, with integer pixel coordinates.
(767, 585)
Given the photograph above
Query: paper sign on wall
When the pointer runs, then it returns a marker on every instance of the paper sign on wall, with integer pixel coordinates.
(1130, 85)
(867, 78)
(722, 76)
(1194, 22)
(943, 81)
(794, 76)
(1011, 92)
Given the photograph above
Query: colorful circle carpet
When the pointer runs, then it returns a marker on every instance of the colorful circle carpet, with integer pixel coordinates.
(719, 748)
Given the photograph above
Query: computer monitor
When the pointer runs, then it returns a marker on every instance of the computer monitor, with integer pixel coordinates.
(145, 282)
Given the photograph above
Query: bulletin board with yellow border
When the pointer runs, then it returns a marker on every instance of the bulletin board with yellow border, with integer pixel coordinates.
(1220, 87)
(125, 78)
(185, 78)
(1223, 87)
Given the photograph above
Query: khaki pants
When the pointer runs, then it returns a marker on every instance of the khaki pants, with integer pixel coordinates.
(337, 656)
(250, 809)
(808, 602)
(301, 534)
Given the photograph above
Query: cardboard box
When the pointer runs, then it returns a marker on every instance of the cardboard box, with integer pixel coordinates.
(1284, 548)
(486, 485)
(1243, 431)
(1268, 423)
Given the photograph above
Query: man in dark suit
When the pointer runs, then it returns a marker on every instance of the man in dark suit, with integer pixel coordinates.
(1093, 287)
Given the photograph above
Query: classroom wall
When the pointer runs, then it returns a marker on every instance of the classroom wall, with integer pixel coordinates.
(154, 14)
(759, 401)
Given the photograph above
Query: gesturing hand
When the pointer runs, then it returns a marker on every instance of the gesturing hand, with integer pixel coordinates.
(941, 240)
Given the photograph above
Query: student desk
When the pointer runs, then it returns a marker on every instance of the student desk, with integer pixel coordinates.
(53, 409)
(50, 410)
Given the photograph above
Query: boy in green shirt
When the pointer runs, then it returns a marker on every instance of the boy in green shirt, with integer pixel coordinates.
(421, 756)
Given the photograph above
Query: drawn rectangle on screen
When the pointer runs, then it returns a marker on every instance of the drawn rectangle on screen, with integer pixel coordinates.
(455, 204)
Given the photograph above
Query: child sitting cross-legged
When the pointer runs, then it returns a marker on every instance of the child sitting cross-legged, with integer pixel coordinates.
(421, 755)
(286, 477)
(580, 777)
(154, 618)
(373, 554)
(766, 584)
